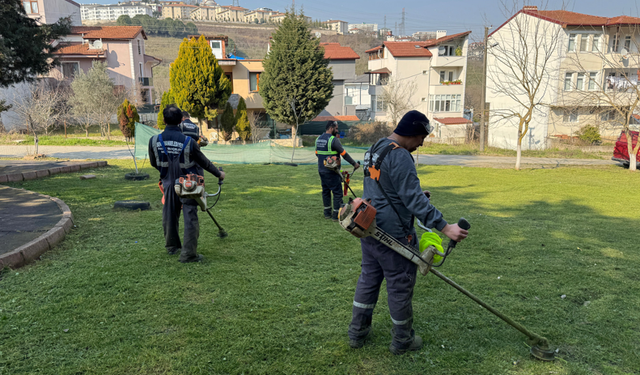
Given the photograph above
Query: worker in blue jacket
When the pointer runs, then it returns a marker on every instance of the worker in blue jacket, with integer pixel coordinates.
(173, 154)
(329, 149)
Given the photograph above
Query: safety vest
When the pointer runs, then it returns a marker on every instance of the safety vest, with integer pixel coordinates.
(323, 150)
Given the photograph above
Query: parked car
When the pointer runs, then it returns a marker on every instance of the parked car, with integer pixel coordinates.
(621, 152)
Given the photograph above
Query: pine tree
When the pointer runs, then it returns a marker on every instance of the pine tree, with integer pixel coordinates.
(296, 84)
(243, 127)
(198, 83)
(127, 118)
(227, 122)
(167, 99)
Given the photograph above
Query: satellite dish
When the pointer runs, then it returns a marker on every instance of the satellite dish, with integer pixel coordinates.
(318, 34)
(97, 44)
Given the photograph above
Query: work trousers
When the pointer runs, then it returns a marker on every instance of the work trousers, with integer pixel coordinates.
(380, 262)
(170, 224)
(331, 183)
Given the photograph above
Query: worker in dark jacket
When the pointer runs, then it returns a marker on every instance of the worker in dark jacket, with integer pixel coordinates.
(329, 150)
(173, 154)
(398, 199)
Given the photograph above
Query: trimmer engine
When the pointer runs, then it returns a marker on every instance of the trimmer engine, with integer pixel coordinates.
(191, 186)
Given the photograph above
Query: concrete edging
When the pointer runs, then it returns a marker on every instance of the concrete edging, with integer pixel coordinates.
(32, 250)
(32, 175)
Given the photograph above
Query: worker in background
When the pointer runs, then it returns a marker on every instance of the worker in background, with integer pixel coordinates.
(398, 198)
(188, 128)
(173, 154)
(329, 150)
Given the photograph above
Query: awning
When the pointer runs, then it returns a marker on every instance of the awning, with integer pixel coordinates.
(379, 71)
(453, 121)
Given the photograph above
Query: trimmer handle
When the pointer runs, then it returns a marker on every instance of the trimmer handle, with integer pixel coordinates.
(464, 224)
(220, 181)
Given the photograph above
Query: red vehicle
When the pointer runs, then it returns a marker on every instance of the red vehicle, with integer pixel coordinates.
(621, 152)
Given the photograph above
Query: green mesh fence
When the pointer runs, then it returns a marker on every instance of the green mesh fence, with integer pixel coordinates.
(257, 153)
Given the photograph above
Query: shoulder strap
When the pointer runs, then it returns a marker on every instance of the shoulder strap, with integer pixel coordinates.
(184, 144)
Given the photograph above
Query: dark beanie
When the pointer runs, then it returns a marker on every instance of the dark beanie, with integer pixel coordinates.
(413, 123)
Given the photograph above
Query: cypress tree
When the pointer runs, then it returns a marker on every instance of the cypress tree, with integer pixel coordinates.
(227, 122)
(198, 83)
(296, 84)
(167, 99)
(127, 118)
(242, 121)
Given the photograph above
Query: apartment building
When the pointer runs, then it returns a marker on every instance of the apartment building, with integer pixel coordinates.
(338, 26)
(258, 16)
(591, 76)
(430, 75)
(229, 13)
(178, 11)
(204, 13)
(363, 27)
(50, 11)
(98, 12)
(342, 62)
(121, 47)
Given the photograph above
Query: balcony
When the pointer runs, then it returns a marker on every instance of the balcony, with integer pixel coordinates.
(450, 61)
(145, 81)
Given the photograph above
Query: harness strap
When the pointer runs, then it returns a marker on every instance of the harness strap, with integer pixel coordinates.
(184, 144)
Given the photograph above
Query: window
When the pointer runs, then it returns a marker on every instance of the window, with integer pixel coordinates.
(450, 76)
(614, 43)
(608, 115)
(139, 49)
(442, 75)
(141, 72)
(31, 7)
(570, 116)
(381, 105)
(580, 82)
(572, 43)
(595, 44)
(593, 83)
(254, 81)
(444, 103)
(446, 51)
(215, 44)
(627, 43)
(568, 78)
(584, 39)
(69, 69)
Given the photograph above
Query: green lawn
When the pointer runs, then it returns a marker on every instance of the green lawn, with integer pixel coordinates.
(75, 137)
(275, 296)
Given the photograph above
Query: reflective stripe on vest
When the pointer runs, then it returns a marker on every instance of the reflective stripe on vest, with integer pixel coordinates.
(329, 151)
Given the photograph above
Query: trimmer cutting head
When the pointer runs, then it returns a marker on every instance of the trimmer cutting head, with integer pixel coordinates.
(543, 354)
(222, 234)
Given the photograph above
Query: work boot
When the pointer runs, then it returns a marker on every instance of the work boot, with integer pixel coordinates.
(359, 342)
(198, 258)
(174, 251)
(334, 217)
(415, 345)
(327, 213)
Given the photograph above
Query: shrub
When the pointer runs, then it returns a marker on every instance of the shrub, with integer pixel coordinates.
(369, 133)
(589, 134)
(127, 118)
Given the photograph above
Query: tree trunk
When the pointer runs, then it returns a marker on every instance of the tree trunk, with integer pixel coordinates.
(294, 134)
(109, 130)
(518, 155)
(86, 132)
(632, 155)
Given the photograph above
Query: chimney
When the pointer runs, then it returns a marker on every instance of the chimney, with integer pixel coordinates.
(530, 8)
(441, 34)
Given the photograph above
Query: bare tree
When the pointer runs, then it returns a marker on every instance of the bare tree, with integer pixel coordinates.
(40, 106)
(521, 61)
(396, 97)
(601, 81)
(95, 98)
(257, 126)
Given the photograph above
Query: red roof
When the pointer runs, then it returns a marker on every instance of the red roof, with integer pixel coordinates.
(374, 49)
(108, 32)
(566, 18)
(453, 120)
(79, 49)
(334, 51)
(336, 118)
(416, 49)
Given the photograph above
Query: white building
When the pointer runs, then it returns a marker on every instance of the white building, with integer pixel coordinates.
(593, 59)
(50, 11)
(340, 27)
(437, 68)
(99, 12)
(366, 27)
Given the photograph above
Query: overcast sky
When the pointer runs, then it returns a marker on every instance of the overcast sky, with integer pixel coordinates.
(420, 15)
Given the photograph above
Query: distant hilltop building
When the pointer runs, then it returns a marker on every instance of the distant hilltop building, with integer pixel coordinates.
(99, 12)
(364, 27)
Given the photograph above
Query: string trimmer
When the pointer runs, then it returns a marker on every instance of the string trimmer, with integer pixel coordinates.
(333, 163)
(358, 217)
(191, 186)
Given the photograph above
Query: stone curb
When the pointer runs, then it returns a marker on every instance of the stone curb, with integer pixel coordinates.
(32, 251)
(32, 175)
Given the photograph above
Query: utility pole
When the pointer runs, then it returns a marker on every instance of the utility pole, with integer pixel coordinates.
(484, 91)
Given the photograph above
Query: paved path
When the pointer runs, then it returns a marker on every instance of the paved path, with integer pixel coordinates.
(93, 152)
(506, 161)
(24, 216)
(68, 152)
